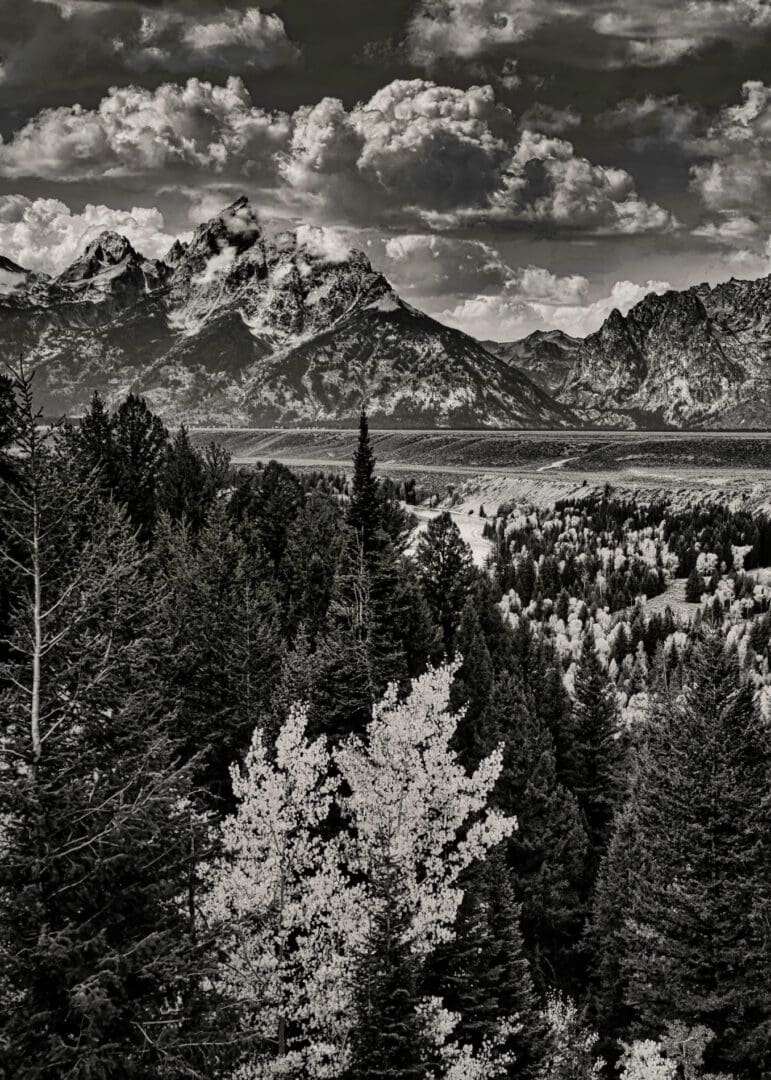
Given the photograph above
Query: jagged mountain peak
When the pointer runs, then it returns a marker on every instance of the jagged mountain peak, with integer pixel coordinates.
(614, 323)
(685, 304)
(544, 356)
(175, 252)
(555, 337)
(237, 226)
(109, 249)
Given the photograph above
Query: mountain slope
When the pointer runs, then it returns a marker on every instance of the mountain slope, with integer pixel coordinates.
(238, 327)
(701, 357)
(545, 356)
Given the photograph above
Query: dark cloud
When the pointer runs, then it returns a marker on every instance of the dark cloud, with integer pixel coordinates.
(626, 32)
(650, 120)
(736, 172)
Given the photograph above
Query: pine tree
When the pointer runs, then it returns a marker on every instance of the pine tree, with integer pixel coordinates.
(140, 441)
(222, 651)
(539, 670)
(411, 630)
(345, 684)
(525, 585)
(608, 1005)
(547, 851)
(471, 691)
(446, 573)
(483, 974)
(268, 504)
(184, 489)
(9, 417)
(364, 507)
(92, 442)
(388, 1039)
(694, 587)
(594, 754)
(695, 931)
(309, 567)
(358, 656)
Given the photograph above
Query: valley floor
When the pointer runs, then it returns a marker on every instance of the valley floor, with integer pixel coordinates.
(538, 467)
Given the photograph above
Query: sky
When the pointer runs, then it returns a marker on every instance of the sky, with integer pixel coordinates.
(510, 165)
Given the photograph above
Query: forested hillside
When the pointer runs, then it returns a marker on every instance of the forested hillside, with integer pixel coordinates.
(286, 791)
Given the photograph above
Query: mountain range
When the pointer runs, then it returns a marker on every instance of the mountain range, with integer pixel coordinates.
(239, 327)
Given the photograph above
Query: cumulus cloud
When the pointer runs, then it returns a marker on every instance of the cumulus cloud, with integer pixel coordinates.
(176, 42)
(730, 230)
(415, 151)
(550, 121)
(320, 242)
(83, 45)
(508, 317)
(448, 156)
(548, 182)
(433, 146)
(414, 146)
(195, 127)
(46, 236)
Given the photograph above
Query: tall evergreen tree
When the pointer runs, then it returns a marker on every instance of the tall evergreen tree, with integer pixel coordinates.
(9, 417)
(472, 688)
(446, 573)
(483, 974)
(608, 984)
(594, 754)
(695, 934)
(357, 656)
(388, 1040)
(185, 491)
(267, 504)
(222, 653)
(140, 441)
(694, 587)
(364, 507)
(307, 583)
(547, 851)
(92, 441)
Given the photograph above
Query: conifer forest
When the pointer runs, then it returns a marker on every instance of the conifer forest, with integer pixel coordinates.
(290, 790)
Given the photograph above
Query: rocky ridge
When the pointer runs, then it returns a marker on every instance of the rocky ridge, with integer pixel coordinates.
(696, 358)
